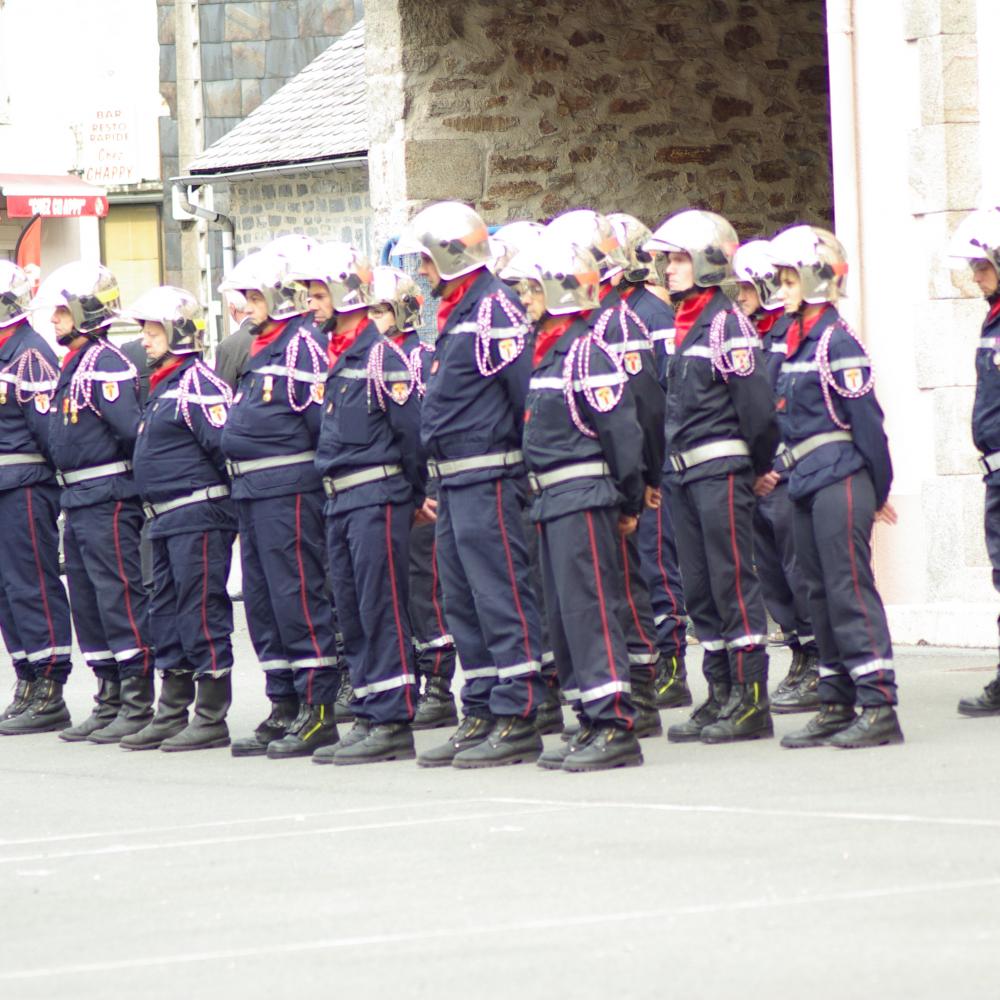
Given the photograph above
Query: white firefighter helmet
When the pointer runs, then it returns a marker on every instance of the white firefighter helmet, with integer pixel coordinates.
(178, 312)
(754, 265)
(88, 290)
(343, 269)
(396, 288)
(15, 294)
(707, 238)
(269, 274)
(633, 235)
(511, 240)
(452, 234)
(592, 230)
(569, 275)
(977, 238)
(818, 256)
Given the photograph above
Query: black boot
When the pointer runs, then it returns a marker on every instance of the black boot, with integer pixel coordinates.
(804, 696)
(283, 713)
(552, 760)
(987, 703)
(22, 695)
(611, 747)
(874, 727)
(436, 706)
(672, 689)
(512, 740)
(135, 713)
(176, 695)
(795, 671)
(746, 716)
(46, 712)
(107, 702)
(356, 734)
(647, 716)
(343, 710)
(549, 717)
(470, 733)
(208, 729)
(832, 719)
(385, 741)
(313, 728)
(705, 714)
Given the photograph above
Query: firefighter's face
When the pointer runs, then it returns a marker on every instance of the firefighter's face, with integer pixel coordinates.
(154, 340)
(984, 274)
(532, 298)
(791, 289)
(257, 307)
(429, 270)
(680, 271)
(383, 316)
(320, 301)
(747, 298)
(62, 320)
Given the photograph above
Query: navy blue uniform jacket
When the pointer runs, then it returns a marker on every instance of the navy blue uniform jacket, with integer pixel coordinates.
(986, 406)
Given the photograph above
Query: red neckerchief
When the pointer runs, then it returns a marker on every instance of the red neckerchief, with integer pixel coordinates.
(340, 342)
(71, 354)
(263, 339)
(6, 336)
(549, 336)
(627, 291)
(766, 323)
(604, 290)
(800, 329)
(399, 338)
(687, 313)
(992, 315)
(452, 299)
(161, 373)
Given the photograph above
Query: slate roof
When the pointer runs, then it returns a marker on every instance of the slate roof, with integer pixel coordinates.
(319, 114)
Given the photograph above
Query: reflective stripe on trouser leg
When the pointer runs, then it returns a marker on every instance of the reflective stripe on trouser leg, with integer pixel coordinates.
(193, 569)
(842, 519)
(104, 540)
(35, 611)
(725, 507)
(658, 564)
(584, 569)
(279, 682)
(485, 540)
(697, 587)
(369, 557)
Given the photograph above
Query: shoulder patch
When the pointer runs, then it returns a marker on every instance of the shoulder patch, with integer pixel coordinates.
(42, 402)
(110, 391)
(854, 379)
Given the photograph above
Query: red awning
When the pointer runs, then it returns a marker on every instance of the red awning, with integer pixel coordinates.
(52, 196)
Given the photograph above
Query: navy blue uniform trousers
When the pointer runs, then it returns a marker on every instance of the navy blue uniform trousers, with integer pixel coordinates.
(432, 641)
(289, 615)
(658, 553)
(369, 551)
(780, 579)
(713, 525)
(190, 613)
(34, 611)
(833, 529)
(107, 599)
(640, 629)
(584, 578)
(489, 605)
(992, 525)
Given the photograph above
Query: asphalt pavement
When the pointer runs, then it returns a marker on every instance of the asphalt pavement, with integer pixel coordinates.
(740, 871)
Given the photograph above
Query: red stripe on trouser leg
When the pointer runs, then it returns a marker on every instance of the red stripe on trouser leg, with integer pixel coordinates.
(204, 600)
(604, 611)
(650, 648)
(663, 575)
(736, 555)
(128, 600)
(513, 589)
(849, 493)
(303, 593)
(41, 582)
(395, 604)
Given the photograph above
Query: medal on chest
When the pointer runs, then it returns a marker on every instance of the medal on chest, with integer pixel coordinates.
(268, 388)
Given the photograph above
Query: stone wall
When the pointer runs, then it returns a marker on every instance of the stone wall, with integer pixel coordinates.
(529, 107)
(328, 204)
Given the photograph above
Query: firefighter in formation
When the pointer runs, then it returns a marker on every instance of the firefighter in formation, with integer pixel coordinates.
(597, 447)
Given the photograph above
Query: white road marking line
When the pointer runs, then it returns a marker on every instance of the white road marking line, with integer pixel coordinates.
(600, 919)
(249, 838)
(295, 817)
(671, 807)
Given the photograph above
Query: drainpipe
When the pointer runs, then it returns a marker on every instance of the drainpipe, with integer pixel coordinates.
(224, 222)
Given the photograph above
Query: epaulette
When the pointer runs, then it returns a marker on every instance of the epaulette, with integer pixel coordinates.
(827, 378)
(599, 394)
(81, 386)
(32, 378)
(214, 404)
(733, 356)
(510, 339)
(314, 377)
